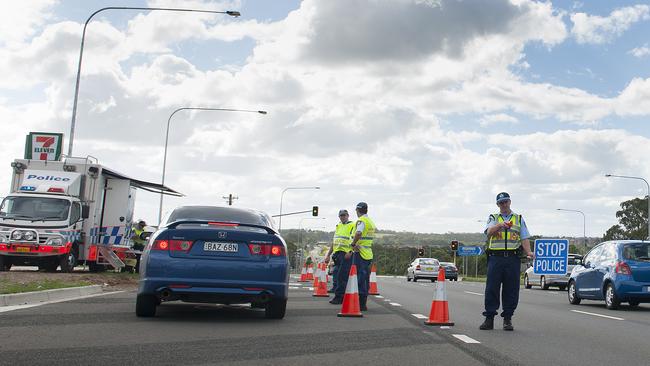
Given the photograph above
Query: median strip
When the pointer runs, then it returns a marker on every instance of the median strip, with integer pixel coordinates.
(596, 314)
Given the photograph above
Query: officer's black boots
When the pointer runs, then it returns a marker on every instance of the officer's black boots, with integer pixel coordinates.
(488, 324)
(507, 324)
(362, 303)
(336, 301)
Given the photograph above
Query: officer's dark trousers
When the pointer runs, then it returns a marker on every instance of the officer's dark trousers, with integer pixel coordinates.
(363, 276)
(502, 279)
(337, 258)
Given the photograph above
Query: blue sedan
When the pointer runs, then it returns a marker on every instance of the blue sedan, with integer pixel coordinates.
(614, 271)
(220, 255)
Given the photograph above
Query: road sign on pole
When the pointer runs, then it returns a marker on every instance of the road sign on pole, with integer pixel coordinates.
(466, 251)
(551, 256)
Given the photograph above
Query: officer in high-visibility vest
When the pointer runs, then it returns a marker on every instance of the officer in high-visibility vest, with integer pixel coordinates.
(136, 238)
(507, 236)
(340, 246)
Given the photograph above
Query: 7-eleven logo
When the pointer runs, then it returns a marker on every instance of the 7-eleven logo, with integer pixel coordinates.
(44, 146)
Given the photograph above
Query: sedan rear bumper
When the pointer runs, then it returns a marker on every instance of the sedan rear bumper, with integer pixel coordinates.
(211, 291)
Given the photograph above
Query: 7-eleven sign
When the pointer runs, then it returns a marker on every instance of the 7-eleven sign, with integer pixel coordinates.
(43, 146)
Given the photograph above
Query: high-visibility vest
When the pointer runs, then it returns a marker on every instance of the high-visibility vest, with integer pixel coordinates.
(136, 236)
(343, 236)
(506, 239)
(367, 236)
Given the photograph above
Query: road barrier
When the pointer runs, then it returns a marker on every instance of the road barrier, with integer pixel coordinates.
(439, 314)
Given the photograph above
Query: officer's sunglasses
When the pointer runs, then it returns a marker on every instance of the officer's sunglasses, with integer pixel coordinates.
(503, 202)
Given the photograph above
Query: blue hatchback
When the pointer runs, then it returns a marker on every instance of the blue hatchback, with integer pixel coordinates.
(614, 271)
(218, 255)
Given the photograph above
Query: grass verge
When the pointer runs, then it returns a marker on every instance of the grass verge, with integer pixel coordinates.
(18, 287)
(474, 279)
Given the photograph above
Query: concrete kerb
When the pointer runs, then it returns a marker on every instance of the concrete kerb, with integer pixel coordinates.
(25, 298)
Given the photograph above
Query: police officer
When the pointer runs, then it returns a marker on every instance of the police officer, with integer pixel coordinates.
(340, 245)
(136, 235)
(507, 235)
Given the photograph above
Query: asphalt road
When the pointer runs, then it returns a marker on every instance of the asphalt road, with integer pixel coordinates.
(104, 330)
(548, 330)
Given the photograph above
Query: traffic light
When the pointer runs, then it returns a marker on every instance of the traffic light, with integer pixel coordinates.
(454, 245)
(314, 211)
(421, 252)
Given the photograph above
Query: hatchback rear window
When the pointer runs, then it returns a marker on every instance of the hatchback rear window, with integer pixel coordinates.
(636, 251)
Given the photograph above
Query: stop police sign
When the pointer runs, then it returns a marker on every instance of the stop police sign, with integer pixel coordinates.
(551, 256)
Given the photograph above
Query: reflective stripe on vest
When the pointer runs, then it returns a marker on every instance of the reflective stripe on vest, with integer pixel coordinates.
(506, 239)
(343, 236)
(367, 236)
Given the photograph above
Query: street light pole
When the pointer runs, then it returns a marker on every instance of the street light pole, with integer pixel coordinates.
(646, 183)
(83, 41)
(167, 140)
(584, 225)
(282, 198)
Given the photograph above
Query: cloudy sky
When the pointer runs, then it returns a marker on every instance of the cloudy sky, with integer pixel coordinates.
(425, 109)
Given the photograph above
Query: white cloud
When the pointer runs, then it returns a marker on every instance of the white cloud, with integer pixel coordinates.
(491, 119)
(640, 52)
(21, 19)
(596, 29)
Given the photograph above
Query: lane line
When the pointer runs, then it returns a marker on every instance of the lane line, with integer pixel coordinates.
(445, 327)
(465, 338)
(596, 314)
(379, 296)
(388, 300)
(420, 316)
(473, 293)
(395, 304)
(5, 309)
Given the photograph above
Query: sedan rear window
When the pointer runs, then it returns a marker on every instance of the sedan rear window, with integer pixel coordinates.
(428, 261)
(221, 214)
(636, 251)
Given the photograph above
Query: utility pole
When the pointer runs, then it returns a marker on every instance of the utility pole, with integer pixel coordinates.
(229, 198)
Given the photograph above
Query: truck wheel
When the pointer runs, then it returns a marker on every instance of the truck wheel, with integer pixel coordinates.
(68, 262)
(145, 306)
(276, 308)
(5, 263)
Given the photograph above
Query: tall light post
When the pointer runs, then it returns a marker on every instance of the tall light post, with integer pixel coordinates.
(83, 41)
(584, 224)
(646, 183)
(169, 120)
(282, 197)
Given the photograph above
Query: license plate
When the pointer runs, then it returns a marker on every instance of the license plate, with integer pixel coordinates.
(209, 246)
(23, 249)
(428, 268)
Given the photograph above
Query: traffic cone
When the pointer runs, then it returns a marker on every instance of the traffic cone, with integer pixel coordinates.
(320, 290)
(351, 307)
(316, 276)
(373, 281)
(303, 273)
(310, 272)
(439, 314)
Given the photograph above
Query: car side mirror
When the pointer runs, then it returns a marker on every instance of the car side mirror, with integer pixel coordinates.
(85, 211)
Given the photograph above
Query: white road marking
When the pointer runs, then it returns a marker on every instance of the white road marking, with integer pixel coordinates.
(420, 316)
(595, 314)
(379, 296)
(294, 288)
(388, 300)
(395, 304)
(465, 338)
(4, 309)
(445, 327)
(473, 293)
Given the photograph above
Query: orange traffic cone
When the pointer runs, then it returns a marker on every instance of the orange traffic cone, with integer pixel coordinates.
(439, 314)
(316, 276)
(373, 281)
(310, 272)
(351, 305)
(320, 290)
(303, 273)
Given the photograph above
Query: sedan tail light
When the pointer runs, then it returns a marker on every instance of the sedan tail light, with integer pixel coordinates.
(172, 245)
(623, 268)
(272, 250)
(417, 268)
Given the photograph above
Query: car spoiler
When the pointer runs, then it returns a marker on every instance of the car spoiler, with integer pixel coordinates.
(173, 225)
